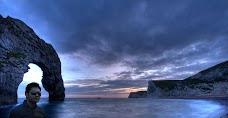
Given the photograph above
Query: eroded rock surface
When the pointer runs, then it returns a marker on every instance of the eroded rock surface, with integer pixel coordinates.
(20, 46)
(209, 83)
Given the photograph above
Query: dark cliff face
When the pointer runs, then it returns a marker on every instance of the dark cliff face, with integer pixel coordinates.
(139, 94)
(20, 46)
(211, 82)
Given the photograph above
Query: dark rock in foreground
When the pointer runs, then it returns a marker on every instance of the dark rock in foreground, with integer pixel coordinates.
(20, 46)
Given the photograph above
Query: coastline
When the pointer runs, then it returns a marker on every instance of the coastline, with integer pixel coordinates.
(224, 103)
(223, 100)
(213, 97)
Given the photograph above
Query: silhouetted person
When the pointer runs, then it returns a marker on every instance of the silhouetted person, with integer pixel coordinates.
(29, 108)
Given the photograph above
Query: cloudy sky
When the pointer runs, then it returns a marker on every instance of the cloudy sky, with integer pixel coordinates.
(109, 48)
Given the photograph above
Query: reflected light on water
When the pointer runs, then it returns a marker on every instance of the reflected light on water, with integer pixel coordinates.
(139, 108)
(203, 108)
(129, 108)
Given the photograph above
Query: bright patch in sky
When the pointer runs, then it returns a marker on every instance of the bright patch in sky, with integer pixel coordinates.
(34, 74)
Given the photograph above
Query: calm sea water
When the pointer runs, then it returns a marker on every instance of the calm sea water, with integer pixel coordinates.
(128, 108)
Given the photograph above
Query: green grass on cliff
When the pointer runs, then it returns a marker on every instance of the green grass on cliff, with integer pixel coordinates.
(15, 55)
(195, 81)
(166, 84)
(192, 83)
(170, 84)
(2, 63)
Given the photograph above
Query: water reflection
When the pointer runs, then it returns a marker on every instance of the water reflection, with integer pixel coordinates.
(207, 108)
(52, 109)
(129, 108)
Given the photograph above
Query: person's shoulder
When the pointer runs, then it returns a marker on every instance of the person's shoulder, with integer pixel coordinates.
(16, 111)
(18, 108)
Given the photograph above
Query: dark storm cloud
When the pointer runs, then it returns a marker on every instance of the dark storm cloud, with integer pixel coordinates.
(181, 65)
(210, 51)
(106, 32)
(183, 36)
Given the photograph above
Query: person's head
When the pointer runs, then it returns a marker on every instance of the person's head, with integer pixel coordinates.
(33, 92)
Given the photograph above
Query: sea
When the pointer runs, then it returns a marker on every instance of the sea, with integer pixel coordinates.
(128, 108)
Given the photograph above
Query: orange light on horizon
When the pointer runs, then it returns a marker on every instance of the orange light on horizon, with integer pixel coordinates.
(97, 96)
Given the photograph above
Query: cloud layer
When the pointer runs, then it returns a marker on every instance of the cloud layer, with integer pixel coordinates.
(152, 39)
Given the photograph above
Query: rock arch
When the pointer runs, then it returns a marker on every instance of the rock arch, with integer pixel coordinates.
(19, 46)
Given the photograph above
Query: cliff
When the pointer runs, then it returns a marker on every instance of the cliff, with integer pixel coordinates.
(209, 83)
(20, 46)
(139, 94)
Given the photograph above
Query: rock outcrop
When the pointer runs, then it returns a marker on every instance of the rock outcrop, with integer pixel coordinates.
(209, 83)
(139, 94)
(20, 46)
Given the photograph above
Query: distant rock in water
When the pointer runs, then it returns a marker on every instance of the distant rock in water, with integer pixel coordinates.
(209, 83)
(20, 46)
(139, 94)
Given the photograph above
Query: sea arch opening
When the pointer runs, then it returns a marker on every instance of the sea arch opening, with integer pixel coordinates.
(34, 74)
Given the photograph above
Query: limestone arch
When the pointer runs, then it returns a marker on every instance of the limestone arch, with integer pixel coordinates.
(52, 80)
(20, 46)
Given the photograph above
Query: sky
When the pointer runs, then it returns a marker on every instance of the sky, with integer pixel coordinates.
(109, 48)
